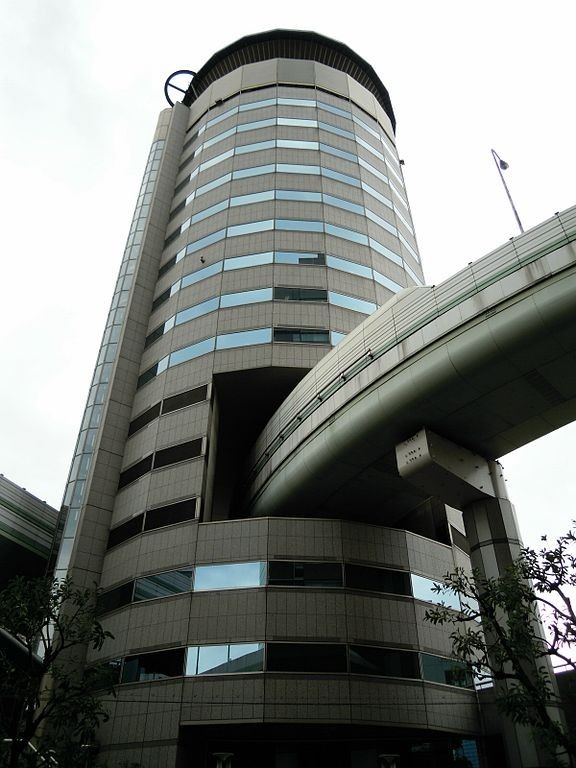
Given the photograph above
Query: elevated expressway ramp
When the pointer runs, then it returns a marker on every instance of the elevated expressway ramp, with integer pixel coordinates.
(485, 359)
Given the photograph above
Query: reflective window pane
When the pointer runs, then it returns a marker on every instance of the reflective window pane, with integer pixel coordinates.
(384, 662)
(423, 589)
(289, 257)
(244, 338)
(247, 229)
(229, 576)
(196, 311)
(387, 282)
(349, 266)
(194, 350)
(350, 302)
(256, 197)
(246, 297)
(259, 170)
(437, 669)
(313, 170)
(201, 274)
(253, 260)
(299, 225)
(303, 574)
(285, 194)
(163, 584)
(212, 659)
(306, 657)
(347, 234)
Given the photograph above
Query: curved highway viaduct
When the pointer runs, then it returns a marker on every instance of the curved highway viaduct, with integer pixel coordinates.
(421, 399)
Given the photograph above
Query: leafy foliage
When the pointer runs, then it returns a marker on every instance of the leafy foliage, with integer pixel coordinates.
(46, 627)
(527, 622)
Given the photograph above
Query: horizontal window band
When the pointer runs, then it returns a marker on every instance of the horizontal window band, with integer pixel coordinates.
(292, 169)
(297, 102)
(259, 295)
(295, 196)
(295, 225)
(296, 258)
(279, 574)
(233, 340)
(301, 658)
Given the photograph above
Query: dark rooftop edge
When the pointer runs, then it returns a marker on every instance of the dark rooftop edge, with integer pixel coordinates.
(290, 44)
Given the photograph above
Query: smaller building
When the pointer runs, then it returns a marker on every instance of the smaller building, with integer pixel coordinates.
(27, 528)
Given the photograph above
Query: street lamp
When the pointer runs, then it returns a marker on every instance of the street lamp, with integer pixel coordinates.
(502, 165)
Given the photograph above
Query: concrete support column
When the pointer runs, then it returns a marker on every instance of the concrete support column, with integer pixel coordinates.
(476, 486)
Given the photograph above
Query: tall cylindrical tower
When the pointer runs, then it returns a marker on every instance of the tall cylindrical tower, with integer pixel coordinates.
(272, 220)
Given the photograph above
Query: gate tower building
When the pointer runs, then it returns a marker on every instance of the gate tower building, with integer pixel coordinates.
(271, 221)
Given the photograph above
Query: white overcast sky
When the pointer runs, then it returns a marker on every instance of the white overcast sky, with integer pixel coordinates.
(81, 84)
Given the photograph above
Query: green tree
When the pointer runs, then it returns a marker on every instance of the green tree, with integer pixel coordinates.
(513, 627)
(49, 709)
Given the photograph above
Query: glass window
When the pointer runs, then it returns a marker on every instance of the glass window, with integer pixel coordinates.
(289, 257)
(345, 204)
(296, 144)
(249, 228)
(201, 274)
(220, 118)
(313, 170)
(336, 131)
(423, 589)
(175, 453)
(213, 184)
(349, 266)
(329, 173)
(448, 671)
(134, 472)
(256, 147)
(336, 337)
(256, 124)
(374, 193)
(225, 659)
(194, 350)
(334, 110)
(215, 160)
(298, 225)
(384, 662)
(385, 251)
(207, 212)
(246, 297)
(244, 338)
(196, 311)
(297, 122)
(163, 584)
(370, 148)
(115, 598)
(302, 335)
(338, 152)
(306, 657)
(350, 302)
(412, 274)
(216, 139)
(153, 666)
(256, 197)
(229, 576)
(303, 574)
(300, 294)
(169, 514)
(253, 260)
(184, 399)
(143, 419)
(286, 194)
(125, 531)
(259, 170)
(257, 104)
(377, 579)
(387, 282)
(347, 234)
(214, 237)
(381, 222)
(288, 102)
